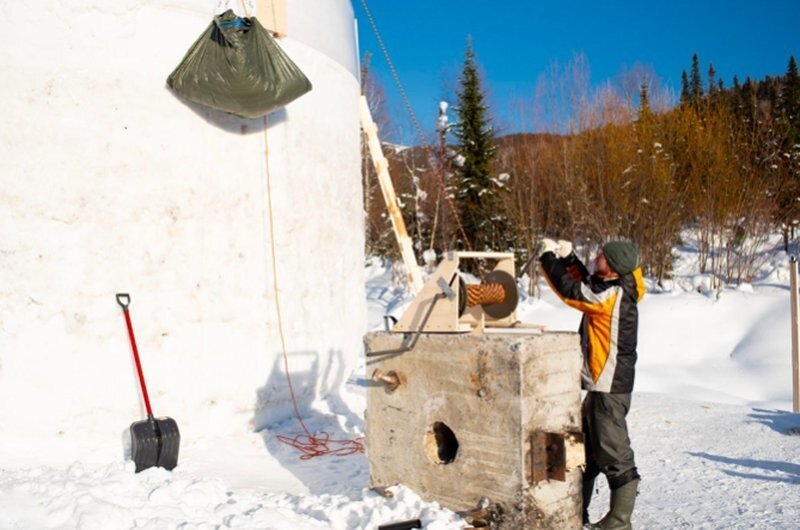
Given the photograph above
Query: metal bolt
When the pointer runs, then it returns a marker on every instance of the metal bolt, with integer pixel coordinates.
(391, 379)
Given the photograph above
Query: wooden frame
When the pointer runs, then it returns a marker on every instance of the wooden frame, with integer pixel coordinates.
(444, 318)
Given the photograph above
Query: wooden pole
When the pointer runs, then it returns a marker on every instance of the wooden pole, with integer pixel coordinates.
(272, 15)
(413, 274)
(793, 284)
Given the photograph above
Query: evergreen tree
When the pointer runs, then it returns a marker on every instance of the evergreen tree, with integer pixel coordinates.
(695, 82)
(644, 103)
(735, 97)
(792, 83)
(768, 91)
(748, 101)
(712, 86)
(685, 95)
(790, 100)
(645, 123)
(476, 193)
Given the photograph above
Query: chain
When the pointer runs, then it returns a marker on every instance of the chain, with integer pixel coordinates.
(414, 122)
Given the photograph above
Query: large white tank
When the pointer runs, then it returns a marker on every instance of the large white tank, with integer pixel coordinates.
(110, 183)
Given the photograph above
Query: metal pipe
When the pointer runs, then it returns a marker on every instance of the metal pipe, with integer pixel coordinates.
(410, 346)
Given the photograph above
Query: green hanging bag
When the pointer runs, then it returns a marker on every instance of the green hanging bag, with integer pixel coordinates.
(237, 67)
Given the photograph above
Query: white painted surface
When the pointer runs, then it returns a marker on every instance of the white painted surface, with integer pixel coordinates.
(109, 183)
(326, 26)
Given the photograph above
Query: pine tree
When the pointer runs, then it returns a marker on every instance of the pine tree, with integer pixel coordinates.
(685, 95)
(695, 82)
(476, 194)
(644, 102)
(748, 101)
(735, 97)
(790, 99)
(712, 86)
(792, 81)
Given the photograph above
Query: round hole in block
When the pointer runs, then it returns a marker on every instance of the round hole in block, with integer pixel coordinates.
(441, 444)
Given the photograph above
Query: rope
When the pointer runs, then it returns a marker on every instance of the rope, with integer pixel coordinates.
(307, 443)
(413, 116)
(227, 4)
(244, 7)
(485, 294)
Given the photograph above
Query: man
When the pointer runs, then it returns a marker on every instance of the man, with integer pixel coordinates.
(608, 299)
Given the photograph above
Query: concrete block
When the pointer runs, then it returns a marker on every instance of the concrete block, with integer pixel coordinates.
(468, 419)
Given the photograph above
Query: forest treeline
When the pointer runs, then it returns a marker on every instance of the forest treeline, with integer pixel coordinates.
(620, 161)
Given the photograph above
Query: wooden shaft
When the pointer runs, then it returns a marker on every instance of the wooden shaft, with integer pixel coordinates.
(413, 274)
(795, 334)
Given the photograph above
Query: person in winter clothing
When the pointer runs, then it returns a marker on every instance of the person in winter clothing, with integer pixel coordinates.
(608, 299)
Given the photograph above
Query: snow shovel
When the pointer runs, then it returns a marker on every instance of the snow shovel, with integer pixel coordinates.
(154, 441)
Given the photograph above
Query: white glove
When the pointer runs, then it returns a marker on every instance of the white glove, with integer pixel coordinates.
(564, 248)
(547, 245)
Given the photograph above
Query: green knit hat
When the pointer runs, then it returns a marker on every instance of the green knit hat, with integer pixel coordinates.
(621, 256)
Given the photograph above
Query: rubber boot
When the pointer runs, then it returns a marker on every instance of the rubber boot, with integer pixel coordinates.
(619, 516)
(588, 489)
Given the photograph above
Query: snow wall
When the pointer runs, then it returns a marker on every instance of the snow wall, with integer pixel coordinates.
(111, 183)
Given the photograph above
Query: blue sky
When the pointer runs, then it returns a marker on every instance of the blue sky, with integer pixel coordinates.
(517, 41)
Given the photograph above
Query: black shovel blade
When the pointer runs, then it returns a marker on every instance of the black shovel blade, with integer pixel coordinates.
(155, 443)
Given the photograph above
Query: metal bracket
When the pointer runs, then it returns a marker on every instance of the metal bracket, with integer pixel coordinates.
(388, 322)
(446, 289)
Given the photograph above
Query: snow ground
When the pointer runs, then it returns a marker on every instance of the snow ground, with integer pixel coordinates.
(709, 424)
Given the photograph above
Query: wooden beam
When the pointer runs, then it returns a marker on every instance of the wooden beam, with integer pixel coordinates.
(413, 274)
(272, 15)
(795, 334)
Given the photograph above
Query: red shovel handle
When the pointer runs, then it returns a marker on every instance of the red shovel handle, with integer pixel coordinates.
(124, 300)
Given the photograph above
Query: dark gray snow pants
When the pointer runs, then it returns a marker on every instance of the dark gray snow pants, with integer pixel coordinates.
(608, 447)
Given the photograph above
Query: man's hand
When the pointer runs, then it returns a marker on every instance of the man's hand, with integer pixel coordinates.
(564, 248)
(547, 245)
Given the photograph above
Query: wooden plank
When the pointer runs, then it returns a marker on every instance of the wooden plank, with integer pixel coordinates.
(575, 452)
(272, 15)
(793, 283)
(487, 255)
(413, 273)
(444, 317)
(489, 330)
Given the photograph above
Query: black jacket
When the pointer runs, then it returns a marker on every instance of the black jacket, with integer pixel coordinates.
(610, 324)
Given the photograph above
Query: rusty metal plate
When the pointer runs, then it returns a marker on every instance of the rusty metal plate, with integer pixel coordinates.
(548, 457)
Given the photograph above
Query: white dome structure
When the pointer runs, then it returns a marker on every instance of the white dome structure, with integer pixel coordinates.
(111, 183)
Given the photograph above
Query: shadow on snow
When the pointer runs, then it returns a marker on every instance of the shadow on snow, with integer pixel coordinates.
(784, 471)
(274, 416)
